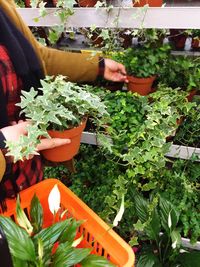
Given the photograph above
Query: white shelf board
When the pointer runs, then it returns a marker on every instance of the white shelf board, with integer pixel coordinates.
(129, 17)
(176, 151)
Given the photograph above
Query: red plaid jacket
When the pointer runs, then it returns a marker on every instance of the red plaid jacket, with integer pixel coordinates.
(28, 172)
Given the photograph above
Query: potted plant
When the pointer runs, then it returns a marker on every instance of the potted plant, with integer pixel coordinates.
(184, 72)
(151, 3)
(49, 236)
(195, 40)
(87, 3)
(60, 109)
(143, 64)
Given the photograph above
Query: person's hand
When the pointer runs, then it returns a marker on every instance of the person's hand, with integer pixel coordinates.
(114, 71)
(13, 132)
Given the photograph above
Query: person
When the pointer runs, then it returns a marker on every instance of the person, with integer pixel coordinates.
(23, 63)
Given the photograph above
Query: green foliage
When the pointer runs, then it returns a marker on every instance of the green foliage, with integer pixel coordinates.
(139, 129)
(59, 105)
(161, 227)
(189, 131)
(180, 185)
(181, 71)
(143, 61)
(35, 248)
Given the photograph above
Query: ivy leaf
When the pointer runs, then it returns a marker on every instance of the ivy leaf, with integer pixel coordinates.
(20, 244)
(96, 261)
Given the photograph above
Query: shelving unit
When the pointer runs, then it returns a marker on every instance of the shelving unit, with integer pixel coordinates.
(152, 17)
(173, 15)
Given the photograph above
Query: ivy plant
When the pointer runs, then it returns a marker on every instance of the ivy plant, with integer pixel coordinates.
(143, 61)
(57, 105)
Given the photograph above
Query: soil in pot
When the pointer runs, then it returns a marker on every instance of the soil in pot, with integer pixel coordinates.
(65, 152)
(142, 86)
(151, 3)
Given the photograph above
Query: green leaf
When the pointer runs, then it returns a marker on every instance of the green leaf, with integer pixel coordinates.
(22, 218)
(148, 259)
(141, 206)
(176, 239)
(153, 229)
(36, 213)
(68, 256)
(70, 232)
(50, 235)
(96, 261)
(20, 244)
(189, 259)
(19, 263)
(167, 209)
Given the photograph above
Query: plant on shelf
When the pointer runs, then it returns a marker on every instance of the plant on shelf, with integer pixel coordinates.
(55, 245)
(157, 223)
(151, 3)
(61, 106)
(189, 131)
(181, 71)
(143, 64)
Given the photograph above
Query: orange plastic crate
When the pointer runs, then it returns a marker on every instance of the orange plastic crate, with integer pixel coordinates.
(97, 234)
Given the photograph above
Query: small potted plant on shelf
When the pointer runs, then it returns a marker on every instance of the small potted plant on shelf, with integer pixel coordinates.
(86, 3)
(143, 64)
(182, 72)
(151, 3)
(60, 109)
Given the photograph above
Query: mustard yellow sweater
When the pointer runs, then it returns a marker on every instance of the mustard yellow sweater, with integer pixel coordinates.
(76, 66)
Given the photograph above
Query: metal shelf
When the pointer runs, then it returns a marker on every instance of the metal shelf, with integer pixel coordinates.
(128, 17)
(176, 151)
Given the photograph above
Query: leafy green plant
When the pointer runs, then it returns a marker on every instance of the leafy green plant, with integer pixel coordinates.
(55, 245)
(139, 128)
(58, 105)
(158, 223)
(143, 61)
(181, 71)
(179, 183)
(189, 131)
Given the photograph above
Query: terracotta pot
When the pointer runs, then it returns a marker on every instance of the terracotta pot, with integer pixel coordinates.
(65, 152)
(87, 3)
(196, 44)
(54, 2)
(142, 86)
(177, 38)
(151, 3)
(191, 94)
(27, 3)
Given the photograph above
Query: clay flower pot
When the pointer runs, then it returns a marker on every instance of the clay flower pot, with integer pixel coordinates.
(65, 152)
(27, 3)
(87, 3)
(151, 3)
(142, 86)
(191, 94)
